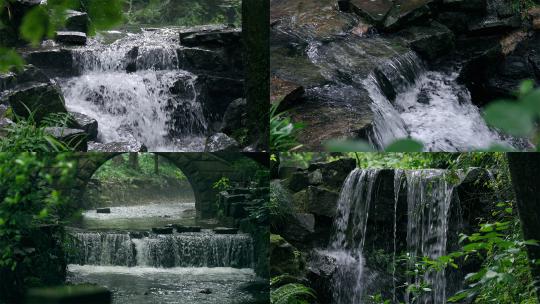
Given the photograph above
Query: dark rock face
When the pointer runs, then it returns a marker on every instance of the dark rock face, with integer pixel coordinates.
(321, 269)
(431, 42)
(40, 99)
(71, 38)
(86, 123)
(374, 11)
(76, 21)
(224, 230)
(334, 173)
(181, 228)
(300, 228)
(406, 12)
(211, 38)
(54, 62)
(221, 142)
(322, 201)
(287, 93)
(235, 116)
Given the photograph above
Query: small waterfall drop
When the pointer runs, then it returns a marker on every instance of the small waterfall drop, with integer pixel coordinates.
(429, 106)
(164, 251)
(347, 242)
(134, 89)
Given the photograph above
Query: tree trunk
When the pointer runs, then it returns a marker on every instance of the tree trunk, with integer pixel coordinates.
(256, 36)
(134, 160)
(156, 164)
(525, 173)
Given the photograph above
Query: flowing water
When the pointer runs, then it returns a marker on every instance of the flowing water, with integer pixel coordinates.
(138, 105)
(430, 106)
(429, 198)
(118, 251)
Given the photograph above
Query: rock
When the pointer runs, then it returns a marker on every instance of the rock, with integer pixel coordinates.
(299, 229)
(221, 142)
(82, 293)
(103, 210)
(71, 38)
(38, 99)
(235, 116)
(54, 62)
(76, 21)
(29, 73)
(320, 271)
(218, 38)
(284, 257)
(321, 201)
(406, 12)
(182, 228)
(456, 21)
(334, 173)
(86, 123)
(138, 234)
(465, 5)
(73, 138)
(430, 41)
(5, 123)
(287, 93)
(494, 26)
(206, 291)
(297, 181)
(373, 11)
(223, 230)
(162, 230)
(220, 92)
(133, 146)
(203, 60)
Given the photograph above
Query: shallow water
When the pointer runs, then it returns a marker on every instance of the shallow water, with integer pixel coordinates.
(140, 217)
(136, 285)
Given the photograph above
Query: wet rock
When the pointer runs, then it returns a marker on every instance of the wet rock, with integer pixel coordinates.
(217, 38)
(494, 26)
(320, 271)
(406, 12)
(297, 181)
(86, 123)
(430, 41)
(132, 146)
(29, 73)
(373, 11)
(220, 142)
(54, 62)
(131, 58)
(76, 21)
(103, 210)
(456, 21)
(162, 230)
(138, 234)
(206, 291)
(71, 38)
(38, 99)
(73, 138)
(203, 60)
(182, 228)
(284, 258)
(235, 116)
(300, 228)
(465, 5)
(223, 230)
(321, 201)
(220, 92)
(534, 17)
(423, 96)
(287, 93)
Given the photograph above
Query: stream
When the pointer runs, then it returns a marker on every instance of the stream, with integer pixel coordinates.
(118, 251)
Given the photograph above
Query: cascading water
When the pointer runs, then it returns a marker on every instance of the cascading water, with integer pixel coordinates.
(138, 104)
(429, 106)
(347, 242)
(177, 250)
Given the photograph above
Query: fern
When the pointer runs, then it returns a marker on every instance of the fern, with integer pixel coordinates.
(293, 293)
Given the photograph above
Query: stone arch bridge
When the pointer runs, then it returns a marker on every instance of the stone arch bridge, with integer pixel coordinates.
(201, 170)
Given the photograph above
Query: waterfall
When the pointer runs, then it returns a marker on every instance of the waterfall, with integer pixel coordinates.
(429, 196)
(429, 106)
(135, 91)
(347, 242)
(175, 250)
(398, 179)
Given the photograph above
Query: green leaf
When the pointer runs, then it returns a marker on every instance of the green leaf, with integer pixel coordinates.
(405, 145)
(510, 117)
(531, 101)
(348, 146)
(35, 25)
(526, 87)
(9, 59)
(105, 14)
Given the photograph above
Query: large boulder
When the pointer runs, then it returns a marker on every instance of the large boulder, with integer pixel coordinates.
(465, 5)
(85, 123)
(76, 21)
(217, 38)
(200, 59)
(73, 138)
(284, 257)
(235, 117)
(431, 41)
(406, 12)
(299, 229)
(71, 38)
(54, 62)
(37, 100)
(321, 201)
(287, 93)
(334, 173)
(221, 142)
(373, 11)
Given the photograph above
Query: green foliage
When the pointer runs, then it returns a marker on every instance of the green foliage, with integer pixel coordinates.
(283, 131)
(378, 299)
(122, 172)
(9, 59)
(33, 191)
(293, 293)
(222, 184)
(400, 145)
(26, 135)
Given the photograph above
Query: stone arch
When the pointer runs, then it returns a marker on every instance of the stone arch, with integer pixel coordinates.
(201, 170)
